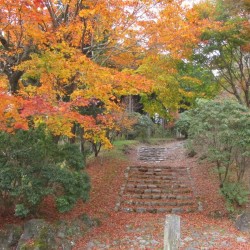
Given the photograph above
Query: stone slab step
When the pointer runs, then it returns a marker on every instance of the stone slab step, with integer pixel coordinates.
(157, 182)
(158, 197)
(157, 210)
(159, 203)
(159, 171)
(157, 175)
(156, 167)
(153, 177)
(158, 191)
(156, 186)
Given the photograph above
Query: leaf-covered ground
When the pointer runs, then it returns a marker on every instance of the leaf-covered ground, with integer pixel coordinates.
(207, 229)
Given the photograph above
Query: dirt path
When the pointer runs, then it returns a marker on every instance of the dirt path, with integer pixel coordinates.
(207, 228)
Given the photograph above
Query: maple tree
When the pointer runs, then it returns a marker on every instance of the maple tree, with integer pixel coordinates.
(177, 84)
(51, 60)
(57, 56)
(178, 81)
(225, 49)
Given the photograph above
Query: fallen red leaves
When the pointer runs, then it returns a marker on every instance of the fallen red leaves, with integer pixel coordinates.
(118, 225)
(119, 230)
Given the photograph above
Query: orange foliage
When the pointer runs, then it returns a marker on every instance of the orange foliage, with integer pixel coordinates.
(56, 57)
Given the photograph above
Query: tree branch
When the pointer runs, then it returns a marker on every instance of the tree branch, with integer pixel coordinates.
(4, 42)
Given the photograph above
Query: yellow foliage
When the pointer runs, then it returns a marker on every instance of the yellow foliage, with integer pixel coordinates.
(75, 53)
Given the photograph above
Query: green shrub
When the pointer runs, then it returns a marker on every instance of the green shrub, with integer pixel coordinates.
(32, 166)
(142, 128)
(235, 194)
(219, 132)
(183, 124)
(159, 131)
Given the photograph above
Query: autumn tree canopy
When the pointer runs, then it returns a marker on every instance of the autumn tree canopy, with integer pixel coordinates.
(60, 57)
(54, 58)
(224, 50)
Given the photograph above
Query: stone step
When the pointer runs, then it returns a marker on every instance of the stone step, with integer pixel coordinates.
(158, 171)
(155, 186)
(158, 197)
(156, 167)
(157, 176)
(157, 191)
(154, 177)
(154, 153)
(145, 148)
(174, 210)
(151, 151)
(165, 173)
(162, 179)
(158, 203)
(154, 183)
(155, 158)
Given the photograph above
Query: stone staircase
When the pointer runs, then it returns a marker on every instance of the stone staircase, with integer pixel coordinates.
(157, 189)
(152, 154)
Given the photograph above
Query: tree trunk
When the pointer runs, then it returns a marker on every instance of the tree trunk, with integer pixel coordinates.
(72, 140)
(82, 141)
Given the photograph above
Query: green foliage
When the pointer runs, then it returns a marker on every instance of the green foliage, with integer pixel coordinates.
(220, 132)
(32, 166)
(221, 129)
(165, 95)
(190, 148)
(183, 124)
(160, 132)
(194, 78)
(21, 210)
(178, 83)
(225, 49)
(235, 194)
(142, 128)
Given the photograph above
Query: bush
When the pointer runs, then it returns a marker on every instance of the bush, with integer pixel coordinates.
(235, 194)
(159, 131)
(32, 166)
(142, 128)
(220, 132)
(183, 124)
